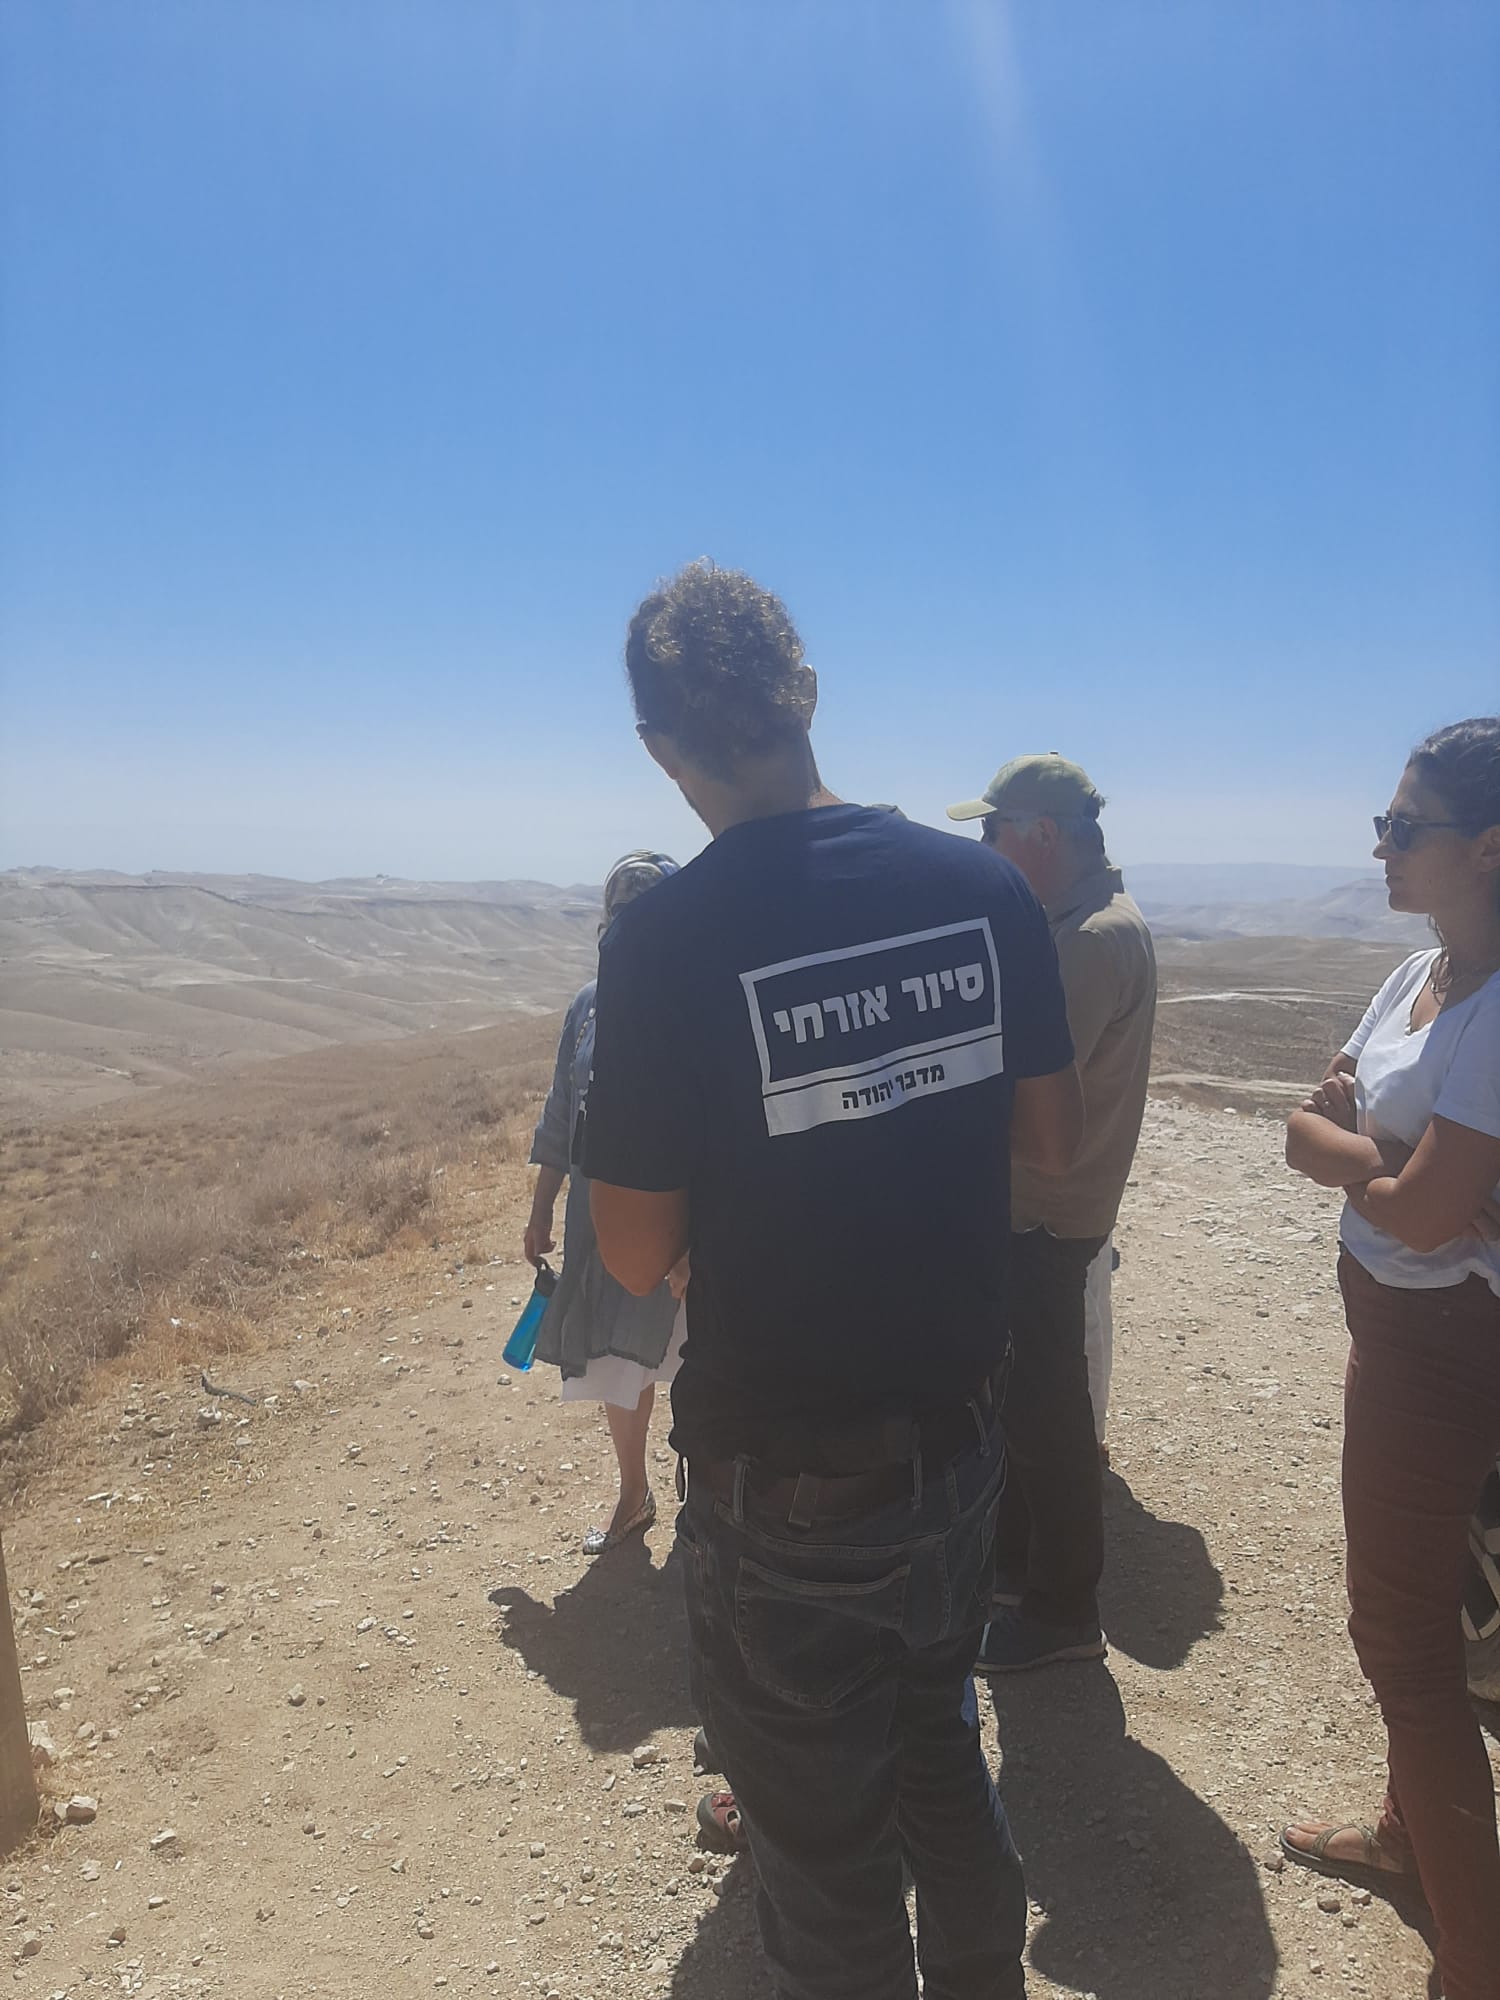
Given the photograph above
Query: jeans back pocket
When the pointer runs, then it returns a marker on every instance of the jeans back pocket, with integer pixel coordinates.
(813, 1641)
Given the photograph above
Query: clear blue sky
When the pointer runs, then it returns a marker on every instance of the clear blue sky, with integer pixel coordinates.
(1091, 374)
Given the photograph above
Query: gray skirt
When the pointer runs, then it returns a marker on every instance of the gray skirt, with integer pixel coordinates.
(591, 1314)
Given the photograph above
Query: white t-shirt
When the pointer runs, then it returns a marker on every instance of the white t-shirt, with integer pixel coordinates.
(1451, 1069)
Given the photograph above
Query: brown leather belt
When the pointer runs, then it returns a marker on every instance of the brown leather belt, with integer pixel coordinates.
(804, 1497)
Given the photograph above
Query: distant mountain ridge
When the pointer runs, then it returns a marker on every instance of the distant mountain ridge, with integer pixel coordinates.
(111, 981)
(1212, 900)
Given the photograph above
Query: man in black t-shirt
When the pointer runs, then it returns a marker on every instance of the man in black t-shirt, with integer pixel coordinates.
(817, 1047)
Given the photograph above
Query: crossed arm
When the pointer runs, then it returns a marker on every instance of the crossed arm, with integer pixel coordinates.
(1424, 1196)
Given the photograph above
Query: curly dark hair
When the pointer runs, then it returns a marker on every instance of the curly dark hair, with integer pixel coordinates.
(716, 664)
(1462, 764)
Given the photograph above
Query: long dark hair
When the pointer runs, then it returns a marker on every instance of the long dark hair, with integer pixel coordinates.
(1462, 765)
(716, 664)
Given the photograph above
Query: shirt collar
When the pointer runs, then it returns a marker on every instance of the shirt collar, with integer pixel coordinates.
(1090, 892)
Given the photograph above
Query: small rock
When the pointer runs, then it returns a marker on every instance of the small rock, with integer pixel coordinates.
(1330, 1903)
(697, 1865)
(296, 1694)
(43, 1749)
(156, 1902)
(208, 1420)
(79, 1810)
(90, 1871)
(538, 1849)
(31, 1944)
(674, 1805)
(309, 1826)
(646, 1754)
(424, 1929)
(1273, 1864)
(1362, 1897)
(164, 1842)
(117, 1935)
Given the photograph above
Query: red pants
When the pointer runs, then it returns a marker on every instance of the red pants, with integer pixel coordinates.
(1421, 1431)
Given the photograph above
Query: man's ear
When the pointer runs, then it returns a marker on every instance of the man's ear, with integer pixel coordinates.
(662, 751)
(807, 693)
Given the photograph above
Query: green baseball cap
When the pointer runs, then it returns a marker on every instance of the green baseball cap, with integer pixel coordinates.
(1044, 787)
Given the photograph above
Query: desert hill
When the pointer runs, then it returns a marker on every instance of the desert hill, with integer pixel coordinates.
(109, 982)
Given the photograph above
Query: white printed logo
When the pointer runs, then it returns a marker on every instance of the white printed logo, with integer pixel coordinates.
(852, 1033)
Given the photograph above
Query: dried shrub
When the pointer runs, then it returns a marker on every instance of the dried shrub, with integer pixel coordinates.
(211, 1212)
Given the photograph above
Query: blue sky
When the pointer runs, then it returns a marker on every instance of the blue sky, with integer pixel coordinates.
(1112, 377)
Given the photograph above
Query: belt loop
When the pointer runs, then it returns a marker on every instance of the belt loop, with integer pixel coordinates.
(916, 1477)
(805, 1496)
(737, 1495)
(681, 1480)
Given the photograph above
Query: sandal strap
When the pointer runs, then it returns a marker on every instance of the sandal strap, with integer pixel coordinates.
(1367, 1833)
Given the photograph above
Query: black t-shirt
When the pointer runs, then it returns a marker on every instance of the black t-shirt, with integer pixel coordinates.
(815, 1028)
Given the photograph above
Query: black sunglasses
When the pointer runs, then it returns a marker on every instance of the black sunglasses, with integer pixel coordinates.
(1400, 831)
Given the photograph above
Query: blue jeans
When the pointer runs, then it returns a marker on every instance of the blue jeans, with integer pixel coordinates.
(833, 1669)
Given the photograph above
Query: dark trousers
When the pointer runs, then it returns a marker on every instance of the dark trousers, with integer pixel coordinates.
(833, 1668)
(1050, 1543)
(1421, 1431)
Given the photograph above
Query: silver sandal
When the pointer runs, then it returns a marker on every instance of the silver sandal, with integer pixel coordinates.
(599, 1540)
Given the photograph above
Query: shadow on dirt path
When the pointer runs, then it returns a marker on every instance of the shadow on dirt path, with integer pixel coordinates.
(1146, 1892)
(615, 1645)
(1161, 1592)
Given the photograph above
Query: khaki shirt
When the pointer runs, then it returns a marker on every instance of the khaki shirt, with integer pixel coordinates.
(1109, 978)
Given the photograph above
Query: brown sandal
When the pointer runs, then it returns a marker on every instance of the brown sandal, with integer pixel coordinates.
(719, 1824)
(1367, 1874)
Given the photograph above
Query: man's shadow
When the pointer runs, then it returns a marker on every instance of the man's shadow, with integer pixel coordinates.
(1161, 1593)
(1146, 1893)
(615, 1644)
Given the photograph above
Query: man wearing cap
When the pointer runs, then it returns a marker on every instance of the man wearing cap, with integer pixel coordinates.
(1042, 814)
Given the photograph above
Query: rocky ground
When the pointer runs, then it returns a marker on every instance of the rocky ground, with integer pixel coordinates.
(349, 1713)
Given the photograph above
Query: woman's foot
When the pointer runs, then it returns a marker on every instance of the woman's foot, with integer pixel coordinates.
(1348, 1850)
(630, 1518)
(719, 1824)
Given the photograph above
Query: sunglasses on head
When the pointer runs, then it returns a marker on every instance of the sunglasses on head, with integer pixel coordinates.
(1396, 830)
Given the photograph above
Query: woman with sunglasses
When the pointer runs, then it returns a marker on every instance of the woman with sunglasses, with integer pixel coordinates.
(611, 1348)
(1407, 1121)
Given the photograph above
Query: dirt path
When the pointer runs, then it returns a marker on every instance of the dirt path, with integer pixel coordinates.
(344, 1652)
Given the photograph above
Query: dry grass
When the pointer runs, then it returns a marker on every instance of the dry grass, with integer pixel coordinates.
(185, 1217)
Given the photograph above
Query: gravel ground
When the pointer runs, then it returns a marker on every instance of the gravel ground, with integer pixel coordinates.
(357, 1717)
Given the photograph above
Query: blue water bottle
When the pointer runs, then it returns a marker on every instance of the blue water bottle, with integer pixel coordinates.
(521, 1346)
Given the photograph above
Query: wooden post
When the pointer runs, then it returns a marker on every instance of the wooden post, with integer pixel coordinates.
(18, 1798)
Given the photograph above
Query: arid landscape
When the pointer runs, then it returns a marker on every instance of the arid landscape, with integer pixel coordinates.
(345, 1706)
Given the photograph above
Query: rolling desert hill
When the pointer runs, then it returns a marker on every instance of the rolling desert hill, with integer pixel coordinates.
(109, 983)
